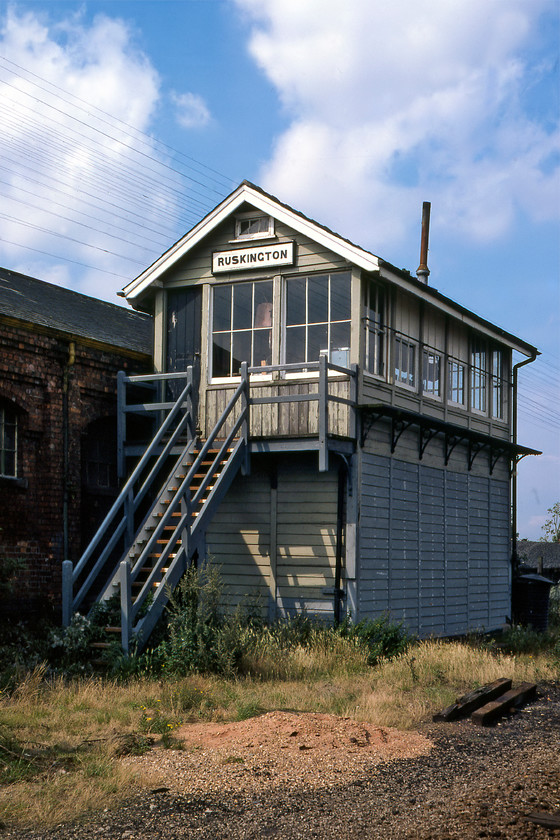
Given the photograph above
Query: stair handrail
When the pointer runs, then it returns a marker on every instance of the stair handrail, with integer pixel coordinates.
(125, 497)
(185, 526)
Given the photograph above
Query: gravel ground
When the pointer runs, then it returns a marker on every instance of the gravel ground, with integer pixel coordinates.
(472, 783)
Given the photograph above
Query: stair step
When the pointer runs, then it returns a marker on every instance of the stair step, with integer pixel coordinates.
(100, 645)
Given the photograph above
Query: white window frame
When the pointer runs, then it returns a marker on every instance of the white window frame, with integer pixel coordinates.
(260, 234)
(212, 380)
(306, 324)
(432, 392)
(497, 384)
(456, 366)
(479, 377)
(397, 368)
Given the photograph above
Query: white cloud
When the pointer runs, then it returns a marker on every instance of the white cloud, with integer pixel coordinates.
(392, 103)
(73, 99)
(191, 110)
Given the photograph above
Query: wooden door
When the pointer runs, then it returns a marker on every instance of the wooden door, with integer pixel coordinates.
(184, 318)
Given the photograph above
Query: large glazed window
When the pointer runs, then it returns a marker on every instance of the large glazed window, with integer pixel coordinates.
(375, 329)
(497, 385)
(241, 327)
(404, 361)
(478, 376)
(8, 441)
(318, 318)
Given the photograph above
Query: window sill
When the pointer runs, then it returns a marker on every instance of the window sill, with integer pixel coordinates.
(13, 481)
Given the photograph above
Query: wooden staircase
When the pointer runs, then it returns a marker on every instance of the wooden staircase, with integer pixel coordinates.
(156, 553)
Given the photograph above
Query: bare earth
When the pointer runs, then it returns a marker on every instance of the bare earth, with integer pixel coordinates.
(286, 775)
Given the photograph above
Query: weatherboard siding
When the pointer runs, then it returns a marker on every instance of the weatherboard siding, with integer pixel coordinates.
(433, 546)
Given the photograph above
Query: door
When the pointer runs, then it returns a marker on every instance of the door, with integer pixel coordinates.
(184, 318)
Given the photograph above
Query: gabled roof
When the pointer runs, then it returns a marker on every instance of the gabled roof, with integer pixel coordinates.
(35, 302)
(248, 193)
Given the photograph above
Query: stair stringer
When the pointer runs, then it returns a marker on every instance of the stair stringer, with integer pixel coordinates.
(194, 537)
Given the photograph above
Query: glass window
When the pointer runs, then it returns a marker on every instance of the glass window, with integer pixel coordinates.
(241, 327)
(8, 441)
(456, 387)
(253, 227)
(318, 318)
(431, 373)
(375, 329)
(405, 361)
(497, 385)
(478, 376)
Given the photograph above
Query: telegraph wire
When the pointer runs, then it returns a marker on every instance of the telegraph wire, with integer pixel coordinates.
(66, 259)
(225, 181)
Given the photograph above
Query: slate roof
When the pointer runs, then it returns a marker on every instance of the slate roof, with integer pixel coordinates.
(530, 553)
(34, 301)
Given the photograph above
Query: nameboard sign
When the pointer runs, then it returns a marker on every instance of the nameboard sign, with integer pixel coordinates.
(256, 256)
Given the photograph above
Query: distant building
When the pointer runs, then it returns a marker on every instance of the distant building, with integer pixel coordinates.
(59, 357)
(541, 558)
(345, 440)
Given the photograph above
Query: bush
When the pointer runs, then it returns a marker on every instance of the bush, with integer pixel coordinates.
(383, 638)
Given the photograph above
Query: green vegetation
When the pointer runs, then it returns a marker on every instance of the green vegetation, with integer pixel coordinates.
(64, 730)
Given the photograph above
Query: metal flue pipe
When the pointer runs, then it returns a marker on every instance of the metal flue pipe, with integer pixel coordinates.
(423, 272)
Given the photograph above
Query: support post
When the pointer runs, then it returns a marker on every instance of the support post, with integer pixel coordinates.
(67, 591)
(323, 414)
(191, 425)
(126, 604)
(245, 426)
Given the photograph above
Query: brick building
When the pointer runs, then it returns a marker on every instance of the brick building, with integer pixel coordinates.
(59, 356)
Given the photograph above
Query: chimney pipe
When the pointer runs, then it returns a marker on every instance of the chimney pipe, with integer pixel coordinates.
(422, 272)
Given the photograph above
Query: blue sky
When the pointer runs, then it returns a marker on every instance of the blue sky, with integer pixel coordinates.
(125, 122)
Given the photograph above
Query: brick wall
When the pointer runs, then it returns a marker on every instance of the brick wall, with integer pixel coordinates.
(37, 378)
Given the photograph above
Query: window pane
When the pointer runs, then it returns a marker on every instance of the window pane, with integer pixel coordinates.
(295, 345)
(241, 351)
(497, 385)
(431, 373)
(318, 300)
(262, 347)
(340, 297)
(457, 382)
(295, 302)
(221, 355)
(340, 344)
(222, 308)
(243, 306)
(317, 341)
(263, 304)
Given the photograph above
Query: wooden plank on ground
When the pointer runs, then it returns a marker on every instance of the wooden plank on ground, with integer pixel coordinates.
(542, 818)
(511, 699)
(473, 700)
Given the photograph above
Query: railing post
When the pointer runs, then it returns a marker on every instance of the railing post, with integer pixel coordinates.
(129, 517)
(245, 408)
(354, 399)
(67, 591)
(126, 604)
(190, 404)
(323, 411)
(121, 423)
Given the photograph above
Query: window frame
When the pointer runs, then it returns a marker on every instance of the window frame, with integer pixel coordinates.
(428, 351)
(396, 365)
(234, 377)
(479, 376)
(497, 393)
(375, 331)
(7, 409)
(260, 234)
(306, 323)
(456, 366)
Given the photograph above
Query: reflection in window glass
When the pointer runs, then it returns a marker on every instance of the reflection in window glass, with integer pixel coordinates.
(8, 441)
(375, 327)
(405, 361)
(318, 318)
(478, 376)
(241, 326)
(456, 390)
(431, 366)
(497, 385)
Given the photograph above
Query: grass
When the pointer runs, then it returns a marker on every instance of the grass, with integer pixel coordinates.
(61, 740)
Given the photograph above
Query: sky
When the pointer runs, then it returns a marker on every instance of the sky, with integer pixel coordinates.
(125, 122)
